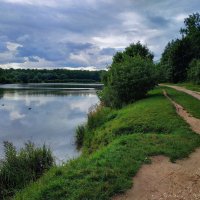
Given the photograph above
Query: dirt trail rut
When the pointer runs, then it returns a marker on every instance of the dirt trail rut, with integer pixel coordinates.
(182, 89)
(163, 180)
(192, 121)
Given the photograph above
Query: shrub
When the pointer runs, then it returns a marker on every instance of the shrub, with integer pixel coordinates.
(193, 72)
(17, 169)
(128, 80)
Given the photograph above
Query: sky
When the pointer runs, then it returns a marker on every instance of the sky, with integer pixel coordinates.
(85, 34)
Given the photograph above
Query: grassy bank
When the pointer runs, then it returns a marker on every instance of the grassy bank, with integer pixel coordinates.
(151, 115)
(115, 145)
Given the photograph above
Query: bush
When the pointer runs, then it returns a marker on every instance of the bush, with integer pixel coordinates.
(17, 169)
(128, 81)
(193, 72)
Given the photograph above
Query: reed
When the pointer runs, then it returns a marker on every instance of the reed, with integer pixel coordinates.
(18, 168)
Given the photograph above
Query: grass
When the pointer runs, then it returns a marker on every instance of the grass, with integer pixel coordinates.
(151, 115)
(80, 132)
(17, 169)
(115, 147)
(191, 104)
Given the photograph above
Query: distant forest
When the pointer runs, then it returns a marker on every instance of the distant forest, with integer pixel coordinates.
(48, 76)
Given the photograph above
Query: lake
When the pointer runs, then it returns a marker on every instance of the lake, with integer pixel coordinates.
(45, 113)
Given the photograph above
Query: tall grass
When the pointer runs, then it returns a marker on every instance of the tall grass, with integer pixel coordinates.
(80, 130)
(18, 168)
(97, 116)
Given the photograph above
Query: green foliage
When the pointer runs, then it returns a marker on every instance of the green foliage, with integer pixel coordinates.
(151, 115)
(130, 78)
(80, 131)
(109, 170)
(192, 25)
(131, 51)
(163, 72)
(180, 52)
(175, 60)
(17, 169)
(97, 116)
(194, 71)
(47, 76)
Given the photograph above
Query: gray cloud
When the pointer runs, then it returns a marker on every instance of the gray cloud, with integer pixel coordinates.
(67, 33)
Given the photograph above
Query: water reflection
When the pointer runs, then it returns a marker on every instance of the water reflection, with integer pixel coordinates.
(48, 117)
(1, 93)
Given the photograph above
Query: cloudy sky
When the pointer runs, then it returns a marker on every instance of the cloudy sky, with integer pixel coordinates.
(85, 33)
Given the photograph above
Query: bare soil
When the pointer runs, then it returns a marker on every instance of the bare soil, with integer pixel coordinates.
(163, 180)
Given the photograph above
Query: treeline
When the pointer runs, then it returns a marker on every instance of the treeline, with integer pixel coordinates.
(47, 76)
(180, 60)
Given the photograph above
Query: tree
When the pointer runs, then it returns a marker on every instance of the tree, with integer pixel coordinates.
(192, 25)
(192, 32)
(130, 78)
(176, 57)
(133, 50)
(180, 52)
(193, 73)
(138, 50)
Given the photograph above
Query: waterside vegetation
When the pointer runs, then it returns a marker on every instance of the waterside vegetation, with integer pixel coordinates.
(133, 122)
(114, 150)
(18, 168)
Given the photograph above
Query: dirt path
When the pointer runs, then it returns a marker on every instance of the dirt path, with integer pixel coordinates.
(182, 89)
(163, 180)
(192, 121)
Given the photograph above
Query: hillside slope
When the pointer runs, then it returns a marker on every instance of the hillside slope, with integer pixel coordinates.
(114, 150)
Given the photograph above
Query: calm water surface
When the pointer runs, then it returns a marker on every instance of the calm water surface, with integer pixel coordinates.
(45, 113)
